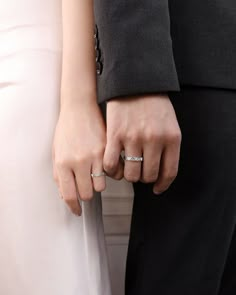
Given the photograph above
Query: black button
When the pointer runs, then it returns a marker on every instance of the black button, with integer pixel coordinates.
(99, 65)
(95, 31)
(99, 68)
(98, 54)
(96, 43)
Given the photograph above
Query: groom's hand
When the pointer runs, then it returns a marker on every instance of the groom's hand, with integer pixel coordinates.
(143, 126)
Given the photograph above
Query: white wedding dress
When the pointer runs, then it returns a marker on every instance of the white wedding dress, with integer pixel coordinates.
(44, 249)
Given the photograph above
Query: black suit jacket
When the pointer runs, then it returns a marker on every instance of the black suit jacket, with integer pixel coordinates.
(155, 46)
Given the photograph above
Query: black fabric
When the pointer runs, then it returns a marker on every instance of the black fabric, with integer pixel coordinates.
(142, 43)
(135, 47)
(204, 42)
(184, 240)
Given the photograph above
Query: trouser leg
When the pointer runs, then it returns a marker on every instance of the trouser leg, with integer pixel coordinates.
(228, 282)
(180, 241)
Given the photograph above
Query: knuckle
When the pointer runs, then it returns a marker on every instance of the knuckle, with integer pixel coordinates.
(178, 135)
(60, 163)
(174, 137)
(80, 160)
(149, 178)
(98, 152)
(86, 196)
(151, 175)
(152, 135)
(109, 166)
(70, 161)
(131, 177)
(133, 137)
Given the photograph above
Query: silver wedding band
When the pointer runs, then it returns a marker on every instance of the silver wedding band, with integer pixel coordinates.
(98, 174)
(133, 159)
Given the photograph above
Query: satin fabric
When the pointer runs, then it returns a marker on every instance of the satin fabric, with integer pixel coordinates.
(44, 249)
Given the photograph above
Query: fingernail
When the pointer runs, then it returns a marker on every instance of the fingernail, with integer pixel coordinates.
(157, 192)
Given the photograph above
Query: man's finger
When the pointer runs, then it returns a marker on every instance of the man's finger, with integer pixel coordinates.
(168, 168)
(132, 169)
(151, 162)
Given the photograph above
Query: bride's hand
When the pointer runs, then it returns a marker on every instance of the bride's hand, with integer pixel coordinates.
(78, 149)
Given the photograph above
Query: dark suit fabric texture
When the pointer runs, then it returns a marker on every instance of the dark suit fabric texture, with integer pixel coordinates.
(184, 240)
(157, 45)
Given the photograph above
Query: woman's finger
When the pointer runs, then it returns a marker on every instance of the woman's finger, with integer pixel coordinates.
(54, 170)
(98, 176)
(68, 190)
(84, 182)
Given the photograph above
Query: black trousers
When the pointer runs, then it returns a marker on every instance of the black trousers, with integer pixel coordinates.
(184, 241)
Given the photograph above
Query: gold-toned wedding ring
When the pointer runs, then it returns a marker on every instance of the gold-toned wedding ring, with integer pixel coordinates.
(98, 174)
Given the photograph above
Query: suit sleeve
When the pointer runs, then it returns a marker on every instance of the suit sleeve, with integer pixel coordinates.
(133, 48)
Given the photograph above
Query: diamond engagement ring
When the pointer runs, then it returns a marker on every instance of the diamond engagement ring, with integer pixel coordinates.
(133, 159)
(98, 174)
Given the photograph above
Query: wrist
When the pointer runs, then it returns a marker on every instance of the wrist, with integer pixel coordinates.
(73, 93)
(77, 87)
(78, 99)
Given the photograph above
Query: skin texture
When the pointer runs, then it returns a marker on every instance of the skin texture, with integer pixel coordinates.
(79, 145)
(79, 140)
(144, 125)
(140, 125)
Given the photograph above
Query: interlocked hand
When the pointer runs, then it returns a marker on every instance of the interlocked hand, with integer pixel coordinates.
(143, 126)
